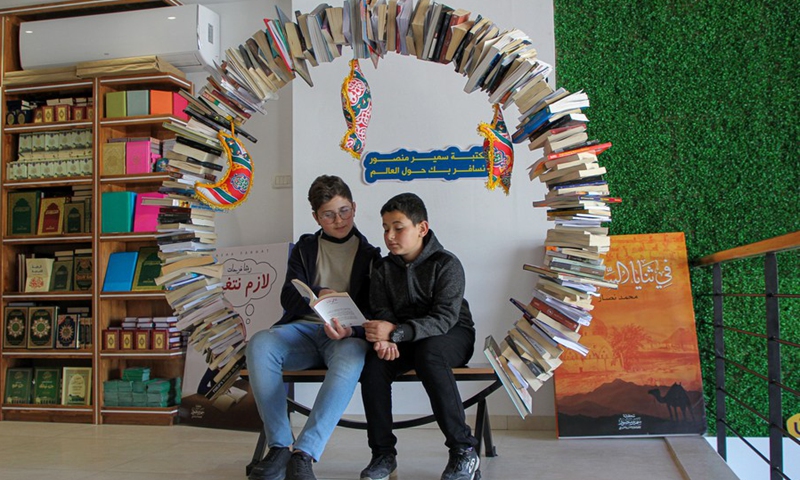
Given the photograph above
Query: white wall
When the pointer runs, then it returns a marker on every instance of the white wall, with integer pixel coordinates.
(266, 216)
(422, 106)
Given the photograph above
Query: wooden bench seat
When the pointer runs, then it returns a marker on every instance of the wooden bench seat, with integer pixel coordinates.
(470, 373)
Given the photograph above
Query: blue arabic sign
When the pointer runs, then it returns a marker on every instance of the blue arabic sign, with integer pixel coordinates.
(449, 164)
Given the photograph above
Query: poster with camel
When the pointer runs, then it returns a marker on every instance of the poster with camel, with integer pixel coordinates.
(642, 374)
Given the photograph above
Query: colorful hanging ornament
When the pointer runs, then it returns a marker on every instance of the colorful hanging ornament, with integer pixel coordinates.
(357, 109)
(232, 190)
(498, 150)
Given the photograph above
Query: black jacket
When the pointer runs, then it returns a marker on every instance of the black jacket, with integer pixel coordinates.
(426, 295)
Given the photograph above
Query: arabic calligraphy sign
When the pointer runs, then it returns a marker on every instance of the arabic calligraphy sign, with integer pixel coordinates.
(252, 277)
(643, 348)
(449, 164)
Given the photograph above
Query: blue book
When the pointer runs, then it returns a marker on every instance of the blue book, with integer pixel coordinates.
(530, 124)
(117, 212)
(120, 270)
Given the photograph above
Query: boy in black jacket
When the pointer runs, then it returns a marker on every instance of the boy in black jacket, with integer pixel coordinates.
(417, 293)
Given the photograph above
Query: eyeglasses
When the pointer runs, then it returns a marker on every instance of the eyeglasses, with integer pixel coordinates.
(329, 216)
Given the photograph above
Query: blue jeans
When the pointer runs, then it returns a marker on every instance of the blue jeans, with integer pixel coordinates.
(301, 346)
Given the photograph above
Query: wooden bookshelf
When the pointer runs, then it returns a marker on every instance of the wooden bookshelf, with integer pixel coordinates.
(107, 308)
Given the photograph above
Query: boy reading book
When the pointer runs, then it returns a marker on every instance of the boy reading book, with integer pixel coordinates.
(417, 293)
(335, 258)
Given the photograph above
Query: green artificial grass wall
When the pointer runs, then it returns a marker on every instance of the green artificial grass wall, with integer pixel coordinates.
(699, 99)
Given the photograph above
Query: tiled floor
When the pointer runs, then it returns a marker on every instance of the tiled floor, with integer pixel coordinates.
(72, 452)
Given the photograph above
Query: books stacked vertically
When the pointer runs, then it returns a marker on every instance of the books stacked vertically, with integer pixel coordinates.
(185, 226)
(571, 273)
(192, 279)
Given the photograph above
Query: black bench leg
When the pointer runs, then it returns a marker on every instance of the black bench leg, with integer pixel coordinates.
(258, 454)
(483, 430)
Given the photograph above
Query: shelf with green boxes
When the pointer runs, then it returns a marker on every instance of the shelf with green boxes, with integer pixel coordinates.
(153, 398)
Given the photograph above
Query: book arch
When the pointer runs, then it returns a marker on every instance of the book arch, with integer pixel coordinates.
(501, 63)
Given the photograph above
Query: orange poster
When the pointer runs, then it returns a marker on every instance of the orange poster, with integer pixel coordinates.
(642, 374)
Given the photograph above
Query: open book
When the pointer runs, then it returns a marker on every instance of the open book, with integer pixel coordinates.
(337, 305)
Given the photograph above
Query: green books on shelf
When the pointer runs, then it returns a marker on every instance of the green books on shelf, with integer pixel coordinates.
(83, 271)
(46, 386)
(15, 327)
(74, 216)
(61, 278)
(120, 270)
(148, 268)
(19, 382)
(23, 212)
(117, 212)
(40, 331)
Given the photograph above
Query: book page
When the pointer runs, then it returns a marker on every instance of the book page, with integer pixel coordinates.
(341, 307)
(304, 290)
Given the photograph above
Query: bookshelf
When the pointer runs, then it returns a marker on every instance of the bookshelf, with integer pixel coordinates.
(115, 306)
(107, 309)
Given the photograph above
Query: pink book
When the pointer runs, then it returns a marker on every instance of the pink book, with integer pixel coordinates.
(138, 158)
(178, 104)
(145, 217)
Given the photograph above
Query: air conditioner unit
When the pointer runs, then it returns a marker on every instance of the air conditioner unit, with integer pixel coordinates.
(185, 36)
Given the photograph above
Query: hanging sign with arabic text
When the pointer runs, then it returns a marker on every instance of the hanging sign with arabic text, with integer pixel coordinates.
(449, 164)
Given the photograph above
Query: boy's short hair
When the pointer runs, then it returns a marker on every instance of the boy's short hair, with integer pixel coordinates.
(409, 204)
(324, 188)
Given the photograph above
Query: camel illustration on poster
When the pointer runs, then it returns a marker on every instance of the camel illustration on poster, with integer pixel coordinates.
(642, 374)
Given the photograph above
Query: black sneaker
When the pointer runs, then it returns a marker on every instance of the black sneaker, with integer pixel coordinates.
(381, 467)
(273, 466)
(299, 467)
(463, 465)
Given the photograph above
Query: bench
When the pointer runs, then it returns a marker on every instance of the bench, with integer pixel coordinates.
(470, 373)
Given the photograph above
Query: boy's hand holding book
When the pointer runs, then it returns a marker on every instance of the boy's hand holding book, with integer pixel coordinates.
(335, 331)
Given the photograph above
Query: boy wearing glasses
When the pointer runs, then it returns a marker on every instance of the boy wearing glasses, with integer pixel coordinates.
(335, 258)
(417, 293)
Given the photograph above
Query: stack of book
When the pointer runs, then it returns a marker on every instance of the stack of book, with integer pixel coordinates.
(117, 393)
(186, 235)
(162, 333)
(568, 279)
(137, 389)
(163, 392)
